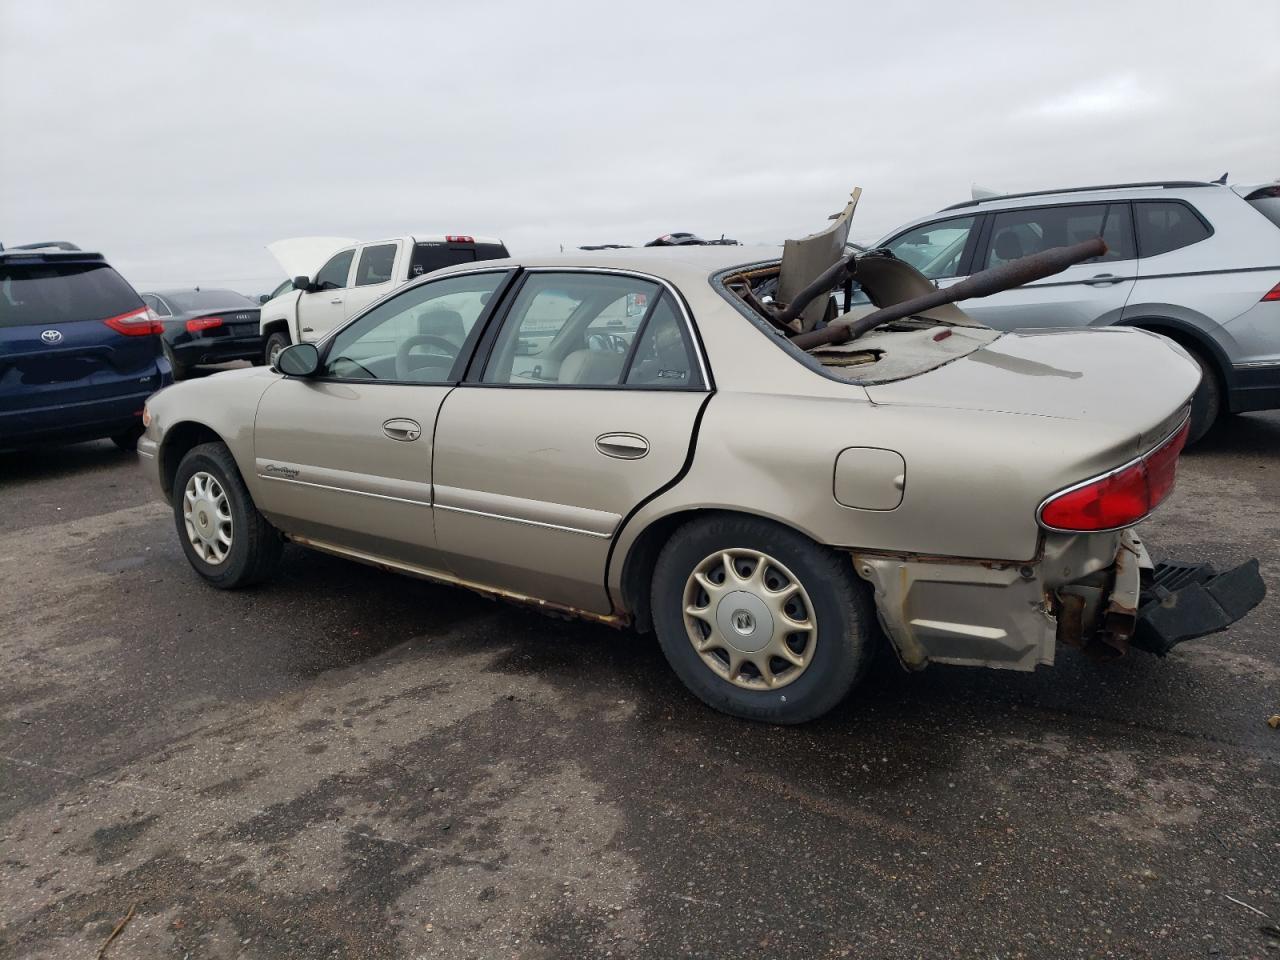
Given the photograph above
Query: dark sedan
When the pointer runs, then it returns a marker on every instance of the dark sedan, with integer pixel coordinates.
(206, 326)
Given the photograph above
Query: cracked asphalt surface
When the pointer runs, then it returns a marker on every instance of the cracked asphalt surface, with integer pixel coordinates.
(347, 763)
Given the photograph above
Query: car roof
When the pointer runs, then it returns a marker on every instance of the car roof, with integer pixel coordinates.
(171, 291)
(670, 263)
(1174, 189)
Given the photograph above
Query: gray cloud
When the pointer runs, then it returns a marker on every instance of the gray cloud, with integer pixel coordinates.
(180, 139)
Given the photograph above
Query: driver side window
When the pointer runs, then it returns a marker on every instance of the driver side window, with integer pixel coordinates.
(415, 337)
(333, 275)
(934, 249)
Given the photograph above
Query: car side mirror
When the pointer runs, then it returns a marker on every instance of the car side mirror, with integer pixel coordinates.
(298, 360)
(264, 297)
(302, 283)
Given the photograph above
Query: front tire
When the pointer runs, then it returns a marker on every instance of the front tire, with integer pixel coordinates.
(225, 538)
(271, 349)
(760, 622)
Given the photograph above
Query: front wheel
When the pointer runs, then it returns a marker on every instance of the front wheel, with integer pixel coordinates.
(275, 343)
(225, 538)
(759, 621)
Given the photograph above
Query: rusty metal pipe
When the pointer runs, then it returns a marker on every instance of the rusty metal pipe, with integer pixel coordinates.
(1015, 273)
(824, 283)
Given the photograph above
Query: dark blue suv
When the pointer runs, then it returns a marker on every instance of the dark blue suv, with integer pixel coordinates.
(79, 350)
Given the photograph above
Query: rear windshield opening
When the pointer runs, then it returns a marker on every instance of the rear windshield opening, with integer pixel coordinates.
(46, 294)
(436, 256)
(192, 300)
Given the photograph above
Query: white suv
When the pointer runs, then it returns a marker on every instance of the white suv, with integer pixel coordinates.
(1197, 262)
(352, 277)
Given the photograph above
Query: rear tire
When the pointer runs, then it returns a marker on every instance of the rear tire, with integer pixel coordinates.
(180, 370)
(718, 634)
(128, 440)
(1206, 402)
(225, 538)
(271, 349)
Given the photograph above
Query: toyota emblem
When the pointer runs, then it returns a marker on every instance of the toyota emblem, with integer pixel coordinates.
(51, 336)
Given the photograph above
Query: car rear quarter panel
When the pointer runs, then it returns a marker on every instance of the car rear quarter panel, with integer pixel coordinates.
(973, 480)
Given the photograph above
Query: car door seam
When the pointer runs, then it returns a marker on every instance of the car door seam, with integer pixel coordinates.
(680, 475)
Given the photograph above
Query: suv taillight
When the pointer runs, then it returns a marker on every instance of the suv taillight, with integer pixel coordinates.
(1272, 295)
(142, 322)
(1120, 498)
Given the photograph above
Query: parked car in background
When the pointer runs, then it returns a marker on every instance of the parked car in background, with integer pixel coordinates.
(705, 477)
(79, 350)
(206, 326)
(1196, 262)
(352, 277)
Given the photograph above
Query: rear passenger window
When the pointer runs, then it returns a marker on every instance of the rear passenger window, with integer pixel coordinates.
(1164, 225)
(375, 264)
(568, 329)
(663, 357)
(1020, 233)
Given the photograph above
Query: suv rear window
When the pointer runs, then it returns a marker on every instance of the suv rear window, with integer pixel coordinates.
(45, 294)
(436, 256)
(1164, 225)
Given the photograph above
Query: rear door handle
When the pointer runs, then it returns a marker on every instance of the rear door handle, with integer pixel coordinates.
(623, 446)
(336, 300)
(403, 429)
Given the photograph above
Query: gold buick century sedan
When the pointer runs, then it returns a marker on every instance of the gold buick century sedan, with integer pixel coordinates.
(639, 437)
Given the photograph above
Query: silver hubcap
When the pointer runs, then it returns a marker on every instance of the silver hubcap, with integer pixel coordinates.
(276, 349)
(750, 619)
(207, 515)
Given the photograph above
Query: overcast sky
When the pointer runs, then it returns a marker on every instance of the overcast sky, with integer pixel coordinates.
(180, 138)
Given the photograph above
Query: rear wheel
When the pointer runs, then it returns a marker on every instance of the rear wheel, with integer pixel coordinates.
(180, 370)
(759, 621)
(275, 343)
(225, 538)
(128, 440)
(1206, 402)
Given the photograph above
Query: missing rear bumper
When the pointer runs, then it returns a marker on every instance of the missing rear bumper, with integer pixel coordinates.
(1182, 601)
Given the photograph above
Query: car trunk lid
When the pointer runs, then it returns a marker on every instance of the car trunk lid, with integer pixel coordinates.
(1116, 378)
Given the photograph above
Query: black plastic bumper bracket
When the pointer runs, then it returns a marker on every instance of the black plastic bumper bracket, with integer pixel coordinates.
(1181, 601)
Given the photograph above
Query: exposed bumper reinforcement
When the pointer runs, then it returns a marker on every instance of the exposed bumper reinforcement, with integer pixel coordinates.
(1182, 601)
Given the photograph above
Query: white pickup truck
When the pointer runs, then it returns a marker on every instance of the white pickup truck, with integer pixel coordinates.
(350, 276)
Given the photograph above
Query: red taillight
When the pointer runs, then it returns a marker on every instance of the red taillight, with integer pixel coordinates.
(203, 323)
(459, 238)
(1272, 295)
(1121, 498)
(136, 323)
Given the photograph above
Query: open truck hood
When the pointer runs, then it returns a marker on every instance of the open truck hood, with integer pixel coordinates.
(1117, 378)
(304, 256)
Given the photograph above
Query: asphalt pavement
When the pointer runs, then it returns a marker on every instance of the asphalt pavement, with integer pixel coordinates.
(349, 763)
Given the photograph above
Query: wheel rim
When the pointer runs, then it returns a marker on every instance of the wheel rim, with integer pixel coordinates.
(207, 515)
(277, 347)
(750, 619)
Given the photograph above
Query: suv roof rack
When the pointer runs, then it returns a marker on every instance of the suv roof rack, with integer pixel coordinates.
(1162, 184)
(47, 244)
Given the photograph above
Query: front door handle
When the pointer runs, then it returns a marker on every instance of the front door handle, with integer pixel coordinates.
(402, 429)
(623, 446)
(1103, 280)
(336, 300)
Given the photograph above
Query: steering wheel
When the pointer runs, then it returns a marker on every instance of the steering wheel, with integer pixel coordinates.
(403, 372)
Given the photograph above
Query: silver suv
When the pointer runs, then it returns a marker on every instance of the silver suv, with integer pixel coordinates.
(1197, 262)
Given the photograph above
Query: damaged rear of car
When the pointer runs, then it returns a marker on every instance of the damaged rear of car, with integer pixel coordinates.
(1015, 466)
